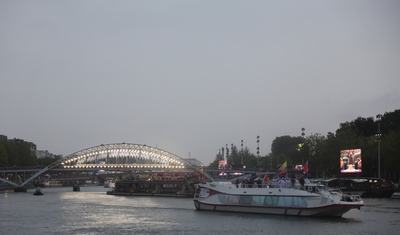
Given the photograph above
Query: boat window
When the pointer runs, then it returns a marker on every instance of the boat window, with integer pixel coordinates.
(231, 199)
(245, 200)
(299, 202)
(287, 201)
(222, 198)
(281, 201)
(258, 200)
(271, 200)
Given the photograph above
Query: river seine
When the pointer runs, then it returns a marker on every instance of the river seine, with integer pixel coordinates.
(91, 211)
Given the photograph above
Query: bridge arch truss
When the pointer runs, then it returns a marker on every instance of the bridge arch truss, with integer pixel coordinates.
(124, 155)
(121, 156)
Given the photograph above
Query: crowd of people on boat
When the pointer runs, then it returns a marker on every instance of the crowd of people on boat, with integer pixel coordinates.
(277, 182)
(288, 182)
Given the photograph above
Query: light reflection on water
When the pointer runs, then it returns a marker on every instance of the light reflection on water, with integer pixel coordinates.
(91, 211)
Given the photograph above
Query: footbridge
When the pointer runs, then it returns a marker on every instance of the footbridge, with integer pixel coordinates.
(120, 157)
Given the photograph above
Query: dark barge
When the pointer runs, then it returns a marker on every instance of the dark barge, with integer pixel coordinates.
(156, 186)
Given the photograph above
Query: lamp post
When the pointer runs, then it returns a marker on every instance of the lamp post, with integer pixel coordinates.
(227, 154)
(258, 151)
(378, 137)
(301, 152)
(242, 152)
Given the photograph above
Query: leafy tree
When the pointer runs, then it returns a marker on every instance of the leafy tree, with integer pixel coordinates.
(13, 157)
(218, 157)
(3, 154)
(46, 161)
(323, 152)
(285, 148)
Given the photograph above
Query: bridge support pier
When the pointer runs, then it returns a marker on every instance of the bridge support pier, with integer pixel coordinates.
(20, 190)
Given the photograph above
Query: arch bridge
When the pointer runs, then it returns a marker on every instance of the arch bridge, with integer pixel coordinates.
(121, 156)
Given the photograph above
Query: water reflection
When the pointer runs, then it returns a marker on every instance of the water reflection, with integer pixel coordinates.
(91, 211)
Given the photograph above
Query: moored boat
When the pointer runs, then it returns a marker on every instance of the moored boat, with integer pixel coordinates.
(379, 188)
(310, 200)
(365, 187)
(353, 186)
(396, 195)
(38, 192)
(76, 187)
(110, 183)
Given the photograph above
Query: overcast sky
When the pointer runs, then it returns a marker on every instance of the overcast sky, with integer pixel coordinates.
(193, 76)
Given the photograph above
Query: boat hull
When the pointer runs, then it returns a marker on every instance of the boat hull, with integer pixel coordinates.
(334, 210)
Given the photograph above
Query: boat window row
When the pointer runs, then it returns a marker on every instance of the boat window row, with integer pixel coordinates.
(280, 201)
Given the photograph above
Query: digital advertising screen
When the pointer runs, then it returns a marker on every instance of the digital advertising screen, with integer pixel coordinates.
(350, 161)
(222, 164)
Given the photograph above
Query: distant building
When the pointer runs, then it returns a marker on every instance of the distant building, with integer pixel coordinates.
(46, 153)
(33, 147)
(42, 154)
(3, 137)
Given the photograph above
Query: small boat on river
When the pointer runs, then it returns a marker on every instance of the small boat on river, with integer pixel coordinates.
(38, 192)
(110, 183)
(76, 187)
(310, 200)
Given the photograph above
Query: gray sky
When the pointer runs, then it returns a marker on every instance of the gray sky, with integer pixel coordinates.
(193, 76)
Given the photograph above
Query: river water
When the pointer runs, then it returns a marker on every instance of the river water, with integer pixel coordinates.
(91, 211)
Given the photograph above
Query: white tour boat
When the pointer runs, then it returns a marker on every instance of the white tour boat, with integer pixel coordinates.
(110, 183)
(310, 200)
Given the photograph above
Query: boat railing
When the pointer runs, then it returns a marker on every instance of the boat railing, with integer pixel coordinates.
(197, 191)
(345, 196)
(351, 198)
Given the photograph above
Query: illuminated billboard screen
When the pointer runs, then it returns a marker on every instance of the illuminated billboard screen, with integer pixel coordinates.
(222, 164)
(350, 161)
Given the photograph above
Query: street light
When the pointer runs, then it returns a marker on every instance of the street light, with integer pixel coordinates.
(301, 152)
(258, 151)
(378, 138)
(242, 153)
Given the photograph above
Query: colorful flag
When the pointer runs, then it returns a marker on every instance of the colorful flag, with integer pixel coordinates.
(305, 168)
(266, 177)
(282, 169)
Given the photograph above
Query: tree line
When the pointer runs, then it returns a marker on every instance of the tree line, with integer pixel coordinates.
(323, 152)
(17, 152)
